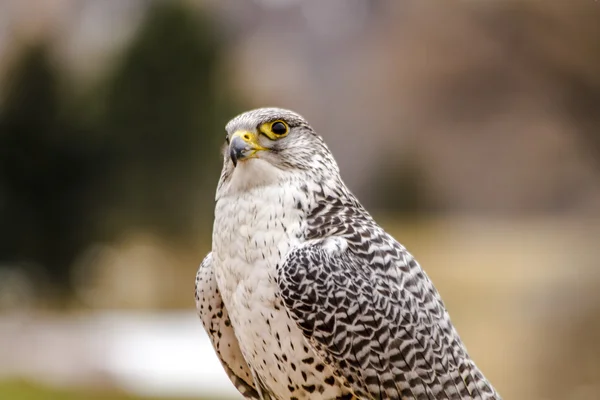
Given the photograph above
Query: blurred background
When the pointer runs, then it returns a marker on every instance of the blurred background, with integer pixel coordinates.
(470, 129)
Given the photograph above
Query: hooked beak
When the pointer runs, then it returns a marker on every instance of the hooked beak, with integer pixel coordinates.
(243, 145)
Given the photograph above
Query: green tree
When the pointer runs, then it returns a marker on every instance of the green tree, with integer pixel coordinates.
(45, 171)
(141, 152)
(165, 107)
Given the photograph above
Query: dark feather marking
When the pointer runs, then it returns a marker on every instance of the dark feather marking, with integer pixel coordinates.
(399, 309)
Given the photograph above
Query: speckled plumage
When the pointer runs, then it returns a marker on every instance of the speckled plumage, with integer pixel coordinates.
(304, 296)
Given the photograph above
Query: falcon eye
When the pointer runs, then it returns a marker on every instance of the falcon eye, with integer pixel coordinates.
(274, 130)
(279, 128)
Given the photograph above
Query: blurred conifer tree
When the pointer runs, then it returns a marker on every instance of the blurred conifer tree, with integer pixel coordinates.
(166, 105)
(44, 174)
(147, 158)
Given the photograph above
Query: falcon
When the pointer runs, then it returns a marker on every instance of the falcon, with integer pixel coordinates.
(304, 295)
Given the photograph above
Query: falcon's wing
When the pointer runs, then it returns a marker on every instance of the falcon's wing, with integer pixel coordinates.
(216, 322)
(374, 316)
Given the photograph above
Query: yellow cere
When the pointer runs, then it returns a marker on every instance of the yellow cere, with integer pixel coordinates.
(248, 137)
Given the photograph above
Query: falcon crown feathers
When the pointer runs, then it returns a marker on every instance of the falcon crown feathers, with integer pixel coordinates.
(304, 295)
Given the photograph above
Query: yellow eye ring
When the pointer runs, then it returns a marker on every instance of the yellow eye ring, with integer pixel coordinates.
(275, 130)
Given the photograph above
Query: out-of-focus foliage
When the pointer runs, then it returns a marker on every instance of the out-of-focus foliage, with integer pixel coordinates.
(47, 171)
(144, 159)
(165, 104)
(560, 43)
(403, 180)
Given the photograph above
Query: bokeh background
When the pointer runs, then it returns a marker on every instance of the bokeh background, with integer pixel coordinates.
(471, 130)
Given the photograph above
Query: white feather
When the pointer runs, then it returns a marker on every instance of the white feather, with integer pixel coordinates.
(256, 222)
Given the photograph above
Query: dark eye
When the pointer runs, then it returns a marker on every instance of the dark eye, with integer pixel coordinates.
(227, 138)
(279, 128)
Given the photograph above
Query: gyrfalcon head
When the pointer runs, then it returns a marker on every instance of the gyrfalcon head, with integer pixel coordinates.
(272, 144)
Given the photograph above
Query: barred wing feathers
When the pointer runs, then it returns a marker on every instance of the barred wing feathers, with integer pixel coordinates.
(374, 316)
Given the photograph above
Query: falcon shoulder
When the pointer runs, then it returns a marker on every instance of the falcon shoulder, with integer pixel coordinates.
(215, 319)
(373, 315)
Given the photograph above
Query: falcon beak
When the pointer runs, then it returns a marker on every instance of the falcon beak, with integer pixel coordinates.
(243, 145)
